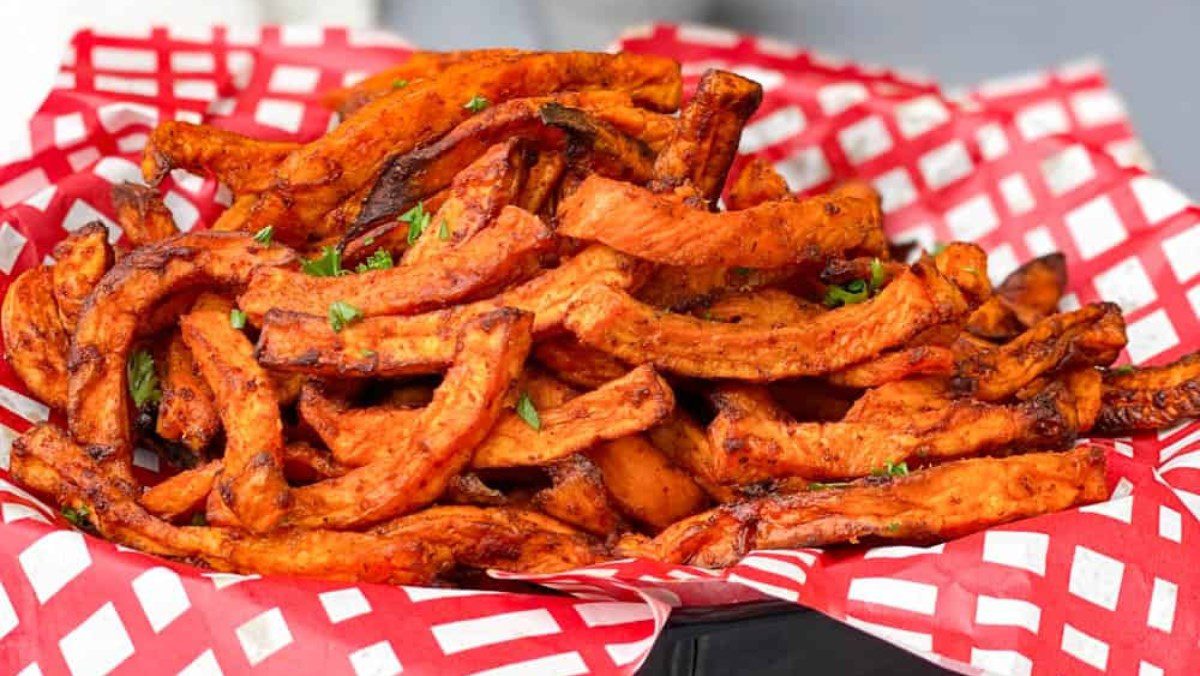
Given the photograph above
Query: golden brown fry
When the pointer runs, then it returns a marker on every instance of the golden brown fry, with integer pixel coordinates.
(644, 484)
(496, 256)
(756, 183)
(576, 363)
(706, 139)
(541, 180)
(304, 464)
(665, 229)
(683, 288)
(1028, 295)
(181, 494)
(577, 496)
(143, 217)
(186, 412)
(35, 341)
(758, 441)
(1150, 397)
(1086, 388)
(243, 164)
(686, 445)
(595, 145)
(940, 503)
(763, 307)
(897, 365)
(357, 436)
(251, 480)
(624, 406)
(98, 406)
(612, 321)
(80, 261)
(403, 346)
(1091, 336)
(466, 405)
(317, 177)
(814, 399)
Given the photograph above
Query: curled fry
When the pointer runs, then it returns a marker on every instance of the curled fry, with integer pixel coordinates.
(143, 217)
(80, 261)
(35, 341)
(243, 164)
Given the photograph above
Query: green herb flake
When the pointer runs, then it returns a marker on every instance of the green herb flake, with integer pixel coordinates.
(444, 231)
(368, 241)
(380, 260)
(399, 83)
(143, 381)
(78, 517)
(878, 277)
(892, 469)
(742, 272)
(1123, 370)
(417, 219)
(265, 235)
(893, 527)
(342, 314)
(328, 264)
(476, 104)
(528, 412)
(237, 318)
(821, 486)
(851, 293)
(970, 269)
(368, 354)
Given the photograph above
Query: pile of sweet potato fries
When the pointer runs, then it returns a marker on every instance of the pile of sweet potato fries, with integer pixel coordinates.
(497, 319)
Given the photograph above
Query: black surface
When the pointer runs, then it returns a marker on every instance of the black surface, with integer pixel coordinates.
(775, 638)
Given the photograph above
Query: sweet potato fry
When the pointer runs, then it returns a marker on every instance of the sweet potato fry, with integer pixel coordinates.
(98, 405)
(756, 183)
(466, 405)
(814, 399)
(251, 480)
(624, 406)
(187, 413)
(940, 503)
(897, 365)
(682, 288)
(317, 177)
(80, 261)
(598, 146)
(403, 346)
(183, 493)
(303, 463)
(1150, 397)
(706, 139)
(686, 445)
(544, 175)
(612, 321)
(759, 442)
(1091, 336)
(243, 164)
(577, 496)
(1028, 295)
(644, 484)
(35, 341)
(357, 436)
(488, 261)
(576, 363)
(763, 307)
(665, 229)
(143, 217)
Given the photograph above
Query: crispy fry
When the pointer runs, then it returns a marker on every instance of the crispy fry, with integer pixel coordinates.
(598, 145)
(493, 258)
(542, 179)
(940, 503)
(706, 140)
(35, 341)
(684, 288)
(624, 406)
(644, 484)
(764, 307)
(143, 217)
(756, 183)
(403, 346)
(1028, 295)
(186, 413)
(577, 363)
(897, 365)
(317, 177)
(357, 436)
(686, 445)
(98, 406)
(665, 229)
(1150, 397)
(183, 493)
(304, 464)
(466, 405)
(577, 496)
(251, 480)
(1091, 336)
(243, 164)
(612, 321)
(80, 261)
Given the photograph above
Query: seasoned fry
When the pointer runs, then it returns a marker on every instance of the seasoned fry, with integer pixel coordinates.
(243, 164)
(686, 445)
(357, 436)
(577, 496)
(684, 288)
(764, 307)
(576, 363)
(1150, 397)
(543, 177)
(898, 365)
(665, 229)
(143, 217)
(624, 406)
(35, 341)
(644, 485)
(80, 261)
(183, 493)
(1028, 295)
(303, 463)
(186, 413)
(492, 259)
(758, 182)
(706, 140)
(939, 503)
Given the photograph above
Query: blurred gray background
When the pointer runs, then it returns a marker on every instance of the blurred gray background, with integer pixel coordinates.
(1145, 45)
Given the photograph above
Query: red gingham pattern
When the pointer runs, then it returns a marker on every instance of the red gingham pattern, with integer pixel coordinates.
(1024, 166)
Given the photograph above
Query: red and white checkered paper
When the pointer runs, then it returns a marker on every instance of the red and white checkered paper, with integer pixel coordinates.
(1025, 166)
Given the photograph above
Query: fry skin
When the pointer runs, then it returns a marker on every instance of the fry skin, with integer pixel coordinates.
(1150, 397)
(80, 261)
(756, 183)
(357, 436)
(665, 229)
(940, 503)
(644, 484)
(35, 341)
(487, 262)
(143, 217)
(186, 413)
(763, 307)
(897, 365)
(577, 496)
(243, 164)
(183, 493)
(576, 363)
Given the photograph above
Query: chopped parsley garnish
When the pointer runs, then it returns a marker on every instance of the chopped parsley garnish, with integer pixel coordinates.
(78, 517)
(444, 231)
(368, 354)
(237, 318)
(380, 260)
(143, 381)
(1123, 370)
(417, 219)
(476, 104)
(342, 314)
(528, 412)
(328, 264)
(852, 292)
(399, 83)
(893, 527)
(892, 469)
(368, 241)
(265, 235)
(877, 275)
(743, 272)
(820, 486)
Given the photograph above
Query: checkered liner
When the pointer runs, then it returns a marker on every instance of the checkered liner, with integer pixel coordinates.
(1024, 166)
